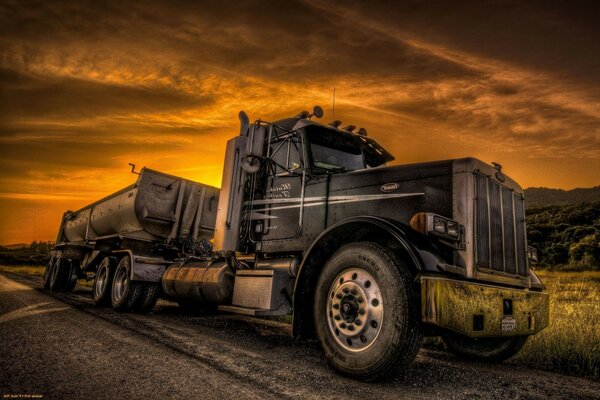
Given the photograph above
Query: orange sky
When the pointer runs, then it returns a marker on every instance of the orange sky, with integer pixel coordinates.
(87, 88)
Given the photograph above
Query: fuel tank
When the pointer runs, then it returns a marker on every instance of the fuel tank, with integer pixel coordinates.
(157, 207)
(203, 282)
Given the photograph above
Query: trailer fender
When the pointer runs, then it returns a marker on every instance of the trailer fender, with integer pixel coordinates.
(415, 248)
(145, 268)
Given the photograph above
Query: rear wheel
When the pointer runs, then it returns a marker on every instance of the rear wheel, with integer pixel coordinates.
(150, 295)
(491, 350)
(366, 313)
(72, 276)
(59, 275)
(103, 281)
(48, 273)
(126, 295)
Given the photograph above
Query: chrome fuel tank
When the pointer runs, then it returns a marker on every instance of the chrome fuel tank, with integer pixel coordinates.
(202, 282)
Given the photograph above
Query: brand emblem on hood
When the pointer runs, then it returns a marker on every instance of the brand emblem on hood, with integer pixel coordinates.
(390, 187)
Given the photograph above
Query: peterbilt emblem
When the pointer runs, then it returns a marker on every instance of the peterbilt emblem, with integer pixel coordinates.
(390, 187)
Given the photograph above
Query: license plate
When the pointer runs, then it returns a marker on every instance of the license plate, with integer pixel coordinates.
(509, 324)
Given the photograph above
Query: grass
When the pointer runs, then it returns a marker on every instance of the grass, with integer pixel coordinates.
(35, 271)
(23, 269)
(570, 344)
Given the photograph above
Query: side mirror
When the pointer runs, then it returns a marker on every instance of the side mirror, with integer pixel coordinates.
(317, 111)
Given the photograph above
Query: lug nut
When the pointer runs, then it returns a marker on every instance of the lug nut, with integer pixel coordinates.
(337, 317)
(343, 325)
(350, 327)
(339, 295)
(360, 299)
(336, 306)
(346, 290)
(353, 292)
(361, 311)
(358, 322)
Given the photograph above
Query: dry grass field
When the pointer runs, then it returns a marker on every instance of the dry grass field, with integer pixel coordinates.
(570, 344)
(572, 341)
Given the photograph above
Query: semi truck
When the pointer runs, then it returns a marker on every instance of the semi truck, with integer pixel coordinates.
(312, 223)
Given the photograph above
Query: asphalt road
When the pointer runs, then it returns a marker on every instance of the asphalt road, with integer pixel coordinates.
(61, 346)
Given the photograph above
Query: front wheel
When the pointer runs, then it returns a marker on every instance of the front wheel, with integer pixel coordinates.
(492, 350)
(366, 312)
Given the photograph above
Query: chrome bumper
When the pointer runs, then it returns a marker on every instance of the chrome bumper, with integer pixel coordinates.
(479, 310)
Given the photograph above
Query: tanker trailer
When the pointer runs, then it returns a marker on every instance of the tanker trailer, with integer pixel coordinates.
(131, 237)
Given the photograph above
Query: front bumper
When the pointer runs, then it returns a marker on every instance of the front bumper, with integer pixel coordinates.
(479, 310)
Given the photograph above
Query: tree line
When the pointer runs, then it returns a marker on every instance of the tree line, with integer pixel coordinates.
(566, 235)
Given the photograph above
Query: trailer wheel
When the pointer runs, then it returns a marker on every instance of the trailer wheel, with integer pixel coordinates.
(126, 295)
(72, 275)
(48, 273)
(492, 350)
(103, 281)
(59, 275)
(366, 312)
(150, 295)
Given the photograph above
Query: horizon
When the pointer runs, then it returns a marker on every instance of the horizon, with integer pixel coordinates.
(87, 88)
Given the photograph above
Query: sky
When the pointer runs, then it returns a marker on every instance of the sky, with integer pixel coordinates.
(87, 87)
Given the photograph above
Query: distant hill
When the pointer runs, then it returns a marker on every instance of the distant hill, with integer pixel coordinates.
(540, 197)
(14, 246)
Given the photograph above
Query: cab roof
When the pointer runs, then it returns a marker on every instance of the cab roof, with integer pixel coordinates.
(375, 154)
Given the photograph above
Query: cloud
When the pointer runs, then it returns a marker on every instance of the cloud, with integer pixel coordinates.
(87, 87)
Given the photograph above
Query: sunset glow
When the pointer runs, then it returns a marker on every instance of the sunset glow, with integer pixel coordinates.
(88, 88)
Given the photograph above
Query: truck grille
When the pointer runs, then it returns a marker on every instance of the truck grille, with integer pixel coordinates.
(499, 228)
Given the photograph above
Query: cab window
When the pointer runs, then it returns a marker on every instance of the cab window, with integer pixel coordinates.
(334, 151)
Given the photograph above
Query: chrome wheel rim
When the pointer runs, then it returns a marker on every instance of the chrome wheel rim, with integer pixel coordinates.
(355, 309)
(101, 281)
(120, 284)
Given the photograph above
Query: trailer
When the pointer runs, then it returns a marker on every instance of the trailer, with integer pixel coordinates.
(310, 222)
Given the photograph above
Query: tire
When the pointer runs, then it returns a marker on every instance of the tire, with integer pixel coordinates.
(126, 295)
(150, 295)
(60, 275)
(48, 273)
(72, 276)
(366, 312)
(105, 273)
(491, 350)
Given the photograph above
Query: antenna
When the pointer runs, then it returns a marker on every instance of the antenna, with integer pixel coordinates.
(333, 104)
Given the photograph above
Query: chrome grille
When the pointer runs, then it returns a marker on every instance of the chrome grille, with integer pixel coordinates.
(499, 228)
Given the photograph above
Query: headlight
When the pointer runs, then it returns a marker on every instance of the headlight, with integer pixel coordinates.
(439, 225)
(434, 224)
(453, 229)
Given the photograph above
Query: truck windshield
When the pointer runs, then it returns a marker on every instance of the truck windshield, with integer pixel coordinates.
(334, 151)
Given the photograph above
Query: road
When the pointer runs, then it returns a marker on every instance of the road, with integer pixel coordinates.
(61, 346)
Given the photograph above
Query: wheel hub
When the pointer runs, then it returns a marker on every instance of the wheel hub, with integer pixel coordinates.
(355, 309)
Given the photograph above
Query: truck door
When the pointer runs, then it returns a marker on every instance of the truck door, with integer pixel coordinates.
(277, 213)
